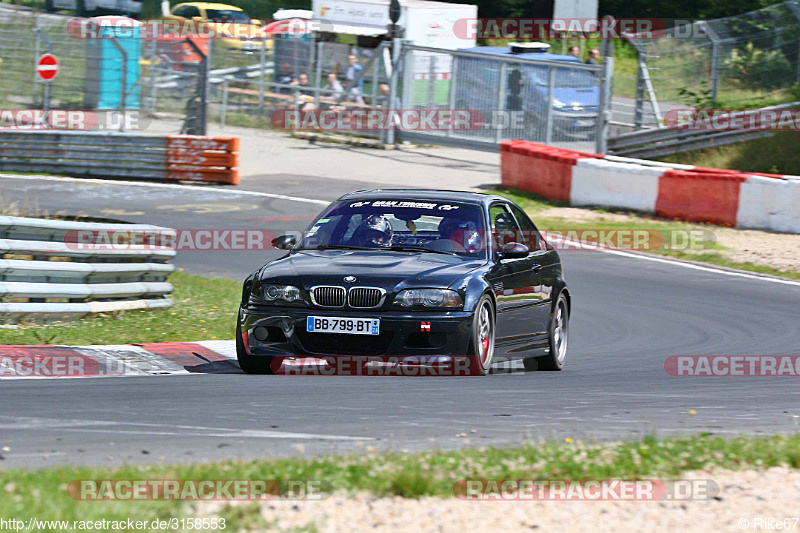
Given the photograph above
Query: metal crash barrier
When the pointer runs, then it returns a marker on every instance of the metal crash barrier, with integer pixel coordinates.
(53, 269)
(121, 155)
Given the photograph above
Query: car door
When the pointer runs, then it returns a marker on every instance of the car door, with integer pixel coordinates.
(515, 284)
(547, 262)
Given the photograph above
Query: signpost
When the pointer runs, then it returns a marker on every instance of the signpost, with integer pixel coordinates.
(394, 32)
(46, 69)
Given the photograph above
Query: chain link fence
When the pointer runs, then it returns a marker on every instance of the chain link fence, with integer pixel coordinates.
(291, 73)
(245, 81)
(744, 61)
(507, 97)
(24, 37)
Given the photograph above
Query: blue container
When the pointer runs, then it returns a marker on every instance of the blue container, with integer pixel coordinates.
(104, 64)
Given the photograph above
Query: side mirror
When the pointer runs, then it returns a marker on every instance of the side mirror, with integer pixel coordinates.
(284, 242)
(513, 250)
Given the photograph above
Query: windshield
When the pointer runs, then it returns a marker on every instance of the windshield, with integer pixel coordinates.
(444, 227)
(565, 77)
(219, 15)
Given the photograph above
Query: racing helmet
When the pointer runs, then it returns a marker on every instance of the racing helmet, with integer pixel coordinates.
(376, 230)
(461, 232)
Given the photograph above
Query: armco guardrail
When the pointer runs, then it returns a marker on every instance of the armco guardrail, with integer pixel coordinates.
(666, 141)
(685, 192)
(121, 155)
(58, 269)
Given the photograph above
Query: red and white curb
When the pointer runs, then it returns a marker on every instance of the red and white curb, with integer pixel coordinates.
(684, 192)
(170, 358)
(115, 360)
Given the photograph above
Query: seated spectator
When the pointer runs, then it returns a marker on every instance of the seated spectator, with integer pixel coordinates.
(333, 85)
(285, 78)
(301, 85)
(355, 96)
(594, 55)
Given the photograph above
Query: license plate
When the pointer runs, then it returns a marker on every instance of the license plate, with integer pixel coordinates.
(352, 326)
(584, 123)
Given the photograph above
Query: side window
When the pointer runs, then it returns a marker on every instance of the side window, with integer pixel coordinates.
(504, 227)
(187, 12)
(530, 235)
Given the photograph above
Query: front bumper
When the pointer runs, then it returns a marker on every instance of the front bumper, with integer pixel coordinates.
(402, 333)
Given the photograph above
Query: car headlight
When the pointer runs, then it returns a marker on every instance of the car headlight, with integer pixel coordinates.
(428, 298)
(273, 293)
(558, 104)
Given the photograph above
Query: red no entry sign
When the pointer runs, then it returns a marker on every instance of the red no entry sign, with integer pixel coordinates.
(47, 67)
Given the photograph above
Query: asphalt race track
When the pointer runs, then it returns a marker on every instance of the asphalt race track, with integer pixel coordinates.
(629, 314)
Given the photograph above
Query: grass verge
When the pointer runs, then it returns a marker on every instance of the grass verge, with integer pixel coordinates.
(42, 493)
(205, 308)
(777, 154)
(707, 251)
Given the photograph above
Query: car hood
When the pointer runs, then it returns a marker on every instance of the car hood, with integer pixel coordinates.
(389, 270)
(586, 96)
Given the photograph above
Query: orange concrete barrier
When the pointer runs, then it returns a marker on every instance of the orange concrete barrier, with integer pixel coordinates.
(202, 158)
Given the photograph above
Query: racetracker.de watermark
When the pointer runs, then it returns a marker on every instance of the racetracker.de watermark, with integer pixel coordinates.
(524, 29)
(637, 239)
(585, 490)
(197, 489)
(733, 365)
(732, 119)
(71, 120)
(123, 239)
(385, 119)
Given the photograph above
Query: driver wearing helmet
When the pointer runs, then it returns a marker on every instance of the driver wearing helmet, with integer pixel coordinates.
(374, 232)
(457, 234)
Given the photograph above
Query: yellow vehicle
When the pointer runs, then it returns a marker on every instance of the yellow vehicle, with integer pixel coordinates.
(230, 24)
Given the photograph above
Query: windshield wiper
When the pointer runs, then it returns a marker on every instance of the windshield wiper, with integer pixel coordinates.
(417, 249)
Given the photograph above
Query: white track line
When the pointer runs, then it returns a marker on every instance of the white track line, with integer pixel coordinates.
(323, 202)
(699, 267)
(167, 186)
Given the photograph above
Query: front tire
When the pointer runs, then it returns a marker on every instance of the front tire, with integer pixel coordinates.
(559, 336)
(481, 346)
(249, 363)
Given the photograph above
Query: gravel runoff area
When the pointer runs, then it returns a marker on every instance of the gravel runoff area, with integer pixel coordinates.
(747, 500)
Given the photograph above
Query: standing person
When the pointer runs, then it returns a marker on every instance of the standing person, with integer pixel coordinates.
(575, 51)
(594, 55)
(354, 71)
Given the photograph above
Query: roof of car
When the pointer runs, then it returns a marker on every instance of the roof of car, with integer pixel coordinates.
(210, 5)
(423, 194)
(504, 51)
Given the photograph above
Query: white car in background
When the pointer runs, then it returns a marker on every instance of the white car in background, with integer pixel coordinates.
(86, 8)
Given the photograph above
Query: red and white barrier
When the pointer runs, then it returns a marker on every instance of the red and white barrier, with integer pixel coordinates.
(684, 192)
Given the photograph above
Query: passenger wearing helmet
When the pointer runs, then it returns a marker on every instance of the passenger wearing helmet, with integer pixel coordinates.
(374, 232)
